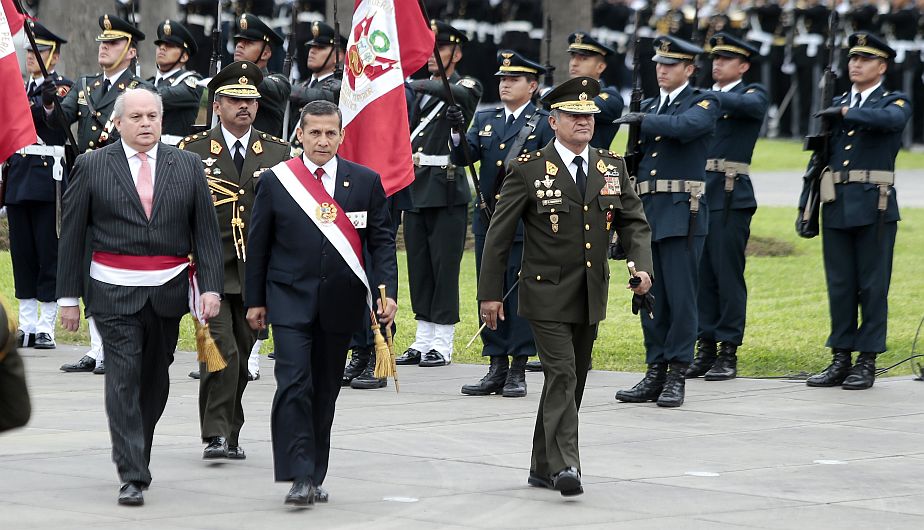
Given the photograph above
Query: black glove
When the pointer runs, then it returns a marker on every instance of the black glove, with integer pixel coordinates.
(49, 91)
(634, 282)
(830, 113)
(644, 302)
(455, 117)
(631, 118)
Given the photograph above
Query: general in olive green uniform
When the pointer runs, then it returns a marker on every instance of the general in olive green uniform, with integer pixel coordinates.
(569, 202)
(220, 410)
(178, 87)
(275, 88)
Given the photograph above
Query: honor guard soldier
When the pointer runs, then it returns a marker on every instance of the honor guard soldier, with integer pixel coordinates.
(569, 198)
(676, 130)
(435, 227)
(723, 294)
(30, 197)
(91, 104)
(588, 59)
(322, 60)
(178, 87)
(860, 212)
(234, 154)
(497, 136)
(254, 41)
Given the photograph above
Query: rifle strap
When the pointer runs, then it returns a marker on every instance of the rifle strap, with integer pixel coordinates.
(522, 136)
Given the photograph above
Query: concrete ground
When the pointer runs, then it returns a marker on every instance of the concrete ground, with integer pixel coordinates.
(783, 188)
(739, 454)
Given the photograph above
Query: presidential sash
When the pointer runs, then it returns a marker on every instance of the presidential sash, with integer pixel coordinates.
(325, 213)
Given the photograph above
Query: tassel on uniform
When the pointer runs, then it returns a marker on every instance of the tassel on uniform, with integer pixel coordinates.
(206, 349)
(382, 355)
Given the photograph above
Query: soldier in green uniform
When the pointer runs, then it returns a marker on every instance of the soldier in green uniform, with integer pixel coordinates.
(569, 197)
(178, 87)
(234, 154)
(254, 42)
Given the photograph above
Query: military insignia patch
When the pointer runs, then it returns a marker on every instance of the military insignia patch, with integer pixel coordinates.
(601, 167)
(81, 98)
(257, 147)
(215, 147)
(467, 83)
(604, 96)
(325, 212)
(540, 194)
(209, 161)
(551, 168)
(190, 82)
(547, 182)
(704, 104)
(900, 103)
(63, 90)
(538, 184)
(121, 86)
(611, 186)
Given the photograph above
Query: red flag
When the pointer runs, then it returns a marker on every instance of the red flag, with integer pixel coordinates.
(389, 39)
(18, 131)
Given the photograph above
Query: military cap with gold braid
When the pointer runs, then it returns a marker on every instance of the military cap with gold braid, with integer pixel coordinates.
(249, 27)
(176, 34)
(446, 34)
(671, 50)
(725, 45)
(514, 64)
(239, 79)
(869, 45)
(115, 28)
(574, 96)
(45, 39)
(581, 43)
(323, 35)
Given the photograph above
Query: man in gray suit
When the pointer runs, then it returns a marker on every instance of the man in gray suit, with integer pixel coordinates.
(146, 206)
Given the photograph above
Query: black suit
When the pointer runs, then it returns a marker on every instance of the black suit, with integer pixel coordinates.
(139, 325)
(314, 302)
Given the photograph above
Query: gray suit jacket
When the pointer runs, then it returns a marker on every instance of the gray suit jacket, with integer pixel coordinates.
(102, 201)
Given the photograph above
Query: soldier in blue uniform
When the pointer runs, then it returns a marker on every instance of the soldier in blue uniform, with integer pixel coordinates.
(588, 59)
(676, 130)
(860, 213)
(30, 202)
(722, 301)
(496, 136)
(178, 87)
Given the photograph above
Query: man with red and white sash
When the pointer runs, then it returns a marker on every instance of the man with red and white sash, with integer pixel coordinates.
(311, 220)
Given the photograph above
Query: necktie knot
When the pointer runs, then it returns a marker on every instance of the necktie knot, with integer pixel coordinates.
(106, 85)
(665, 105)
(857, 99)
(142, 156)
(319, 173)
(510, 119)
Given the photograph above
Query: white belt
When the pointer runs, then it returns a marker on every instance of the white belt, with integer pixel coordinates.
(171, 139)
(55, 151)
(201, 20)
(422, 160)
(811, 41)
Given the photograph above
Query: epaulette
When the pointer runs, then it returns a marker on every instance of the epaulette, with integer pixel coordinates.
(527, 157)
(611, 154)
(192, 138)
(272, 138)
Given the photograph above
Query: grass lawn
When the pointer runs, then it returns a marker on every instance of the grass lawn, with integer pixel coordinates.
(787, 308)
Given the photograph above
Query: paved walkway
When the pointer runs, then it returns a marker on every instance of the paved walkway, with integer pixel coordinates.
(739, 454)
(783, 188)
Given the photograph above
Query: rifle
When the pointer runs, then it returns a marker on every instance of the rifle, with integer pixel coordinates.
(820, 145)
(287, 64)
(134, 20)
(214, 66)
(695, 39)
(338, 64)
(547, 37)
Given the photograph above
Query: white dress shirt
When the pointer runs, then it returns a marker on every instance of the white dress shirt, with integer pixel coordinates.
(158, 76)
(329, 179)
(114, 77)
(516, 113)
(863, 95)
(671, 97)
(567, 156)
(727, 87)
(230, 139)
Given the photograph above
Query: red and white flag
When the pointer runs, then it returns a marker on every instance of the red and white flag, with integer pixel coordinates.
(389, 40)
(18, 131)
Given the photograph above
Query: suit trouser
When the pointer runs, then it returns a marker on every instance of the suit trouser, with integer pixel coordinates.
(723, 294)
(139, 351)
(513, 336)
(671, 335)
(434, 239)
(309, 367)
(33, 249)
(858, 268)
(220, 409)
(564, 349)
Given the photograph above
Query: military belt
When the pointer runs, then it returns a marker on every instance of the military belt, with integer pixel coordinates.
(724, 166)
(866, 176)
(696, 189)
(423, 160)
(54, 151)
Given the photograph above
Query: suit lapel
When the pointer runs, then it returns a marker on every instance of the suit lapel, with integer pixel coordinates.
(595, 181)
(874, 97)
(163, 172)
(123, 175)
(254, 156)
(563, 179)
(679, 100)
(510, 132)
(342, 186)
(114, 90)
(224, 158)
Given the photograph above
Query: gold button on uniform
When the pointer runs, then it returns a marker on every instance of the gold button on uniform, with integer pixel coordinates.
(587, 246)
(588, 264)
(241, 192)
(552, 210)
(497, 197)
(848, 147)
(851, 133)
(653, 172)
(654, 155)
(846, 163)
(500, 163)
(538, 277)
(586, 227)
(241, 208)
(93, 127)
(502, 146)
(657, 138)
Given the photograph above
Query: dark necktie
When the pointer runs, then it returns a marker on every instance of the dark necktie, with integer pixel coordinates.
(314, 81)
(856, 100)
(580, 177)
(509, 125)
(667, 103)
(239, 157)
(106, 85)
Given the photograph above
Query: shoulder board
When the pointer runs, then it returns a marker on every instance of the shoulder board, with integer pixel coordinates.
(195, 137)
(900, 102)
(609, 154)
(604, 96)
(467, 82)
(529, 157)
(704, 104)
(134, 83)
(271, 138)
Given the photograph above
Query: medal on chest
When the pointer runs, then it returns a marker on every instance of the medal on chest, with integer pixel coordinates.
(325, 212)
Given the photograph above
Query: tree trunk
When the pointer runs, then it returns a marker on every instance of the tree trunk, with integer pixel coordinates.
(567, 17)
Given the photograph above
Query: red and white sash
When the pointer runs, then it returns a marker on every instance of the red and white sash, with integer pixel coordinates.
(326, 214)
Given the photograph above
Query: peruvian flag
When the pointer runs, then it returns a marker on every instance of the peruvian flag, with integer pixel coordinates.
(388, 40)
(18, 131)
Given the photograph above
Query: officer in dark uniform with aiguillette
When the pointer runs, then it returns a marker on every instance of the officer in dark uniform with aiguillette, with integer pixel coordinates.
(496, 136)
(234, 154)
(723, 294)
(254, 42)
(569, 198)
(860, 212)
(676, 129)
(178, 87)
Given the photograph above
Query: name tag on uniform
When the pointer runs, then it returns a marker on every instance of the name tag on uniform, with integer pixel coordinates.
(358, 218)
(485, 133)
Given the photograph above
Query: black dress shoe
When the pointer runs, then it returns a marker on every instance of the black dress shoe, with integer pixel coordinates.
(194, 374)
(515, 386)
(863, 373)
(130, 494)
(649, 388)
(568, 482)
(835, 373)
(493, 382)
(301, 494)
(217, 448)
(367, 379)
(85, 364)
(539, 481)
(43, 341)
(358, 362)
(100, 368)
(253, 377)
(726, 364)
(674, 386)
(236, 453)
(24, 340)
(433, 358)
(534, 366)
(321, 495)
(706, 351)
(272, 355)
(411, 356)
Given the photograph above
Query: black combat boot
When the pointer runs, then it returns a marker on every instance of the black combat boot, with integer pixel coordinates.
(358, 362)
(725, 366)
(367, 380)
(649, 388)
(492, 382)
(705, 357)
(674, 387)
(516, 378)
(863, 373)
(835, 373)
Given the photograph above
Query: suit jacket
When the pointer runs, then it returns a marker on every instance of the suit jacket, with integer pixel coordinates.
(294, 271)
(565, 273)
(102, 199)
(181, 95)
